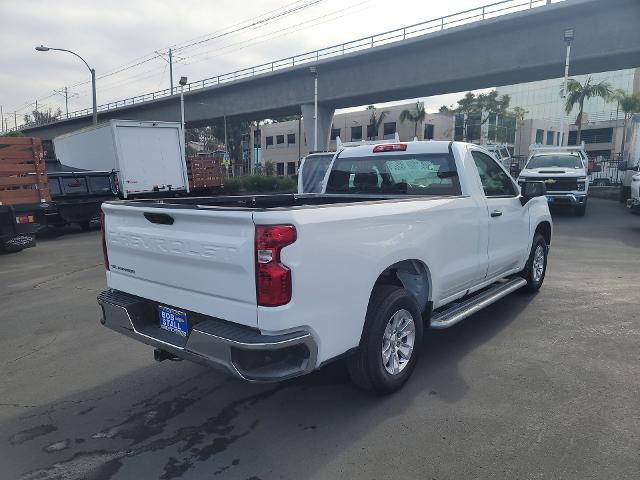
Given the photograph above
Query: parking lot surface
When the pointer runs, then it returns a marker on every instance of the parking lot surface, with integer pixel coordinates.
(543, 386)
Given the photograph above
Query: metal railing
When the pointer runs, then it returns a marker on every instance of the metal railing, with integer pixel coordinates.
(485, 12)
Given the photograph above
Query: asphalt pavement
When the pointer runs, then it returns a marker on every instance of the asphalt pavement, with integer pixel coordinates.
(544, 386)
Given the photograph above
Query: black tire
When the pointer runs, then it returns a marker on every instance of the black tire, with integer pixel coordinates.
(580, 210)
(534, 281)
(367, 367)
(84, 225)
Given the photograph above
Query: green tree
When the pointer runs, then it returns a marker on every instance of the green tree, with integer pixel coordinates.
(480, 106)
(414, 116)
(578, 92)
(375, 120)
(628, 104)
(41, 118)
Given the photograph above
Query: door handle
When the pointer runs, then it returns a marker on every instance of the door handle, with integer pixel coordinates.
(496, 213)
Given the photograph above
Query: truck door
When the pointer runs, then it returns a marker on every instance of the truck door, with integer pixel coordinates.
(508, 219)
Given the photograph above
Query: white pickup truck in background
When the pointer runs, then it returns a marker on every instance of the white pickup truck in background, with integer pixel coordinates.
(564, 170)
(403, 236)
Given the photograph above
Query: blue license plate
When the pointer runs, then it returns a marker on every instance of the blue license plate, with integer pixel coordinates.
(551, 199)
(172, 320)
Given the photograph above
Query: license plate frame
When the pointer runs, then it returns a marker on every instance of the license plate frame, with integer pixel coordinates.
(173, 321)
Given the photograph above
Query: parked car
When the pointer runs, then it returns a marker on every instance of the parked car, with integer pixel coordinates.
(633, 203)
(312, 170)
(564, 172)
(24, 192)
(404, 236)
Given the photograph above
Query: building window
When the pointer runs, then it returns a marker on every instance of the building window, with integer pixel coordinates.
(280, 168)
(291, 138)
(269, 141)
(389, 128)
(539, 136)
(291, 168)
(356, 133)
(280, 139)
(550, 137)
(593, 135)
(429, 130)
(335, 133)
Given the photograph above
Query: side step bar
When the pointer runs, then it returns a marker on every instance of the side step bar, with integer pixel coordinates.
(459, 311)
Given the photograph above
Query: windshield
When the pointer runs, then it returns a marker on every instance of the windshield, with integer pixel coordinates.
(412, 174)
(313, 172)
(558, 161)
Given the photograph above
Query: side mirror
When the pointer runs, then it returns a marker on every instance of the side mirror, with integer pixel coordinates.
(595, 169)
(531, 190)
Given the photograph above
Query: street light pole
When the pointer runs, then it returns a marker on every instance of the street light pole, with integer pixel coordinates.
(314, 72)
(568, 38)
(42, 48)
(183, 82)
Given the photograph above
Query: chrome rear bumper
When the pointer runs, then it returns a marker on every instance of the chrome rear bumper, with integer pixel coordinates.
(239, 350)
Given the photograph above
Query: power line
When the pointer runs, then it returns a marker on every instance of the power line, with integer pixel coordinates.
(289, 9)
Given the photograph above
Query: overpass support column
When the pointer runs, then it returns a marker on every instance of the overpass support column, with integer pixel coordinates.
(325, 117)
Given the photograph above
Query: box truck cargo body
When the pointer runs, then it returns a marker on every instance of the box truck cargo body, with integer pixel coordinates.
(145, 156)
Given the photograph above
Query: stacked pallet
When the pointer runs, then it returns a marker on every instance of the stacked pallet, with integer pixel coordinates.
(205, 171)
(23, 178)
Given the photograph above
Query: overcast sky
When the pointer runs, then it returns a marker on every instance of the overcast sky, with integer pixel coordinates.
(119, 33)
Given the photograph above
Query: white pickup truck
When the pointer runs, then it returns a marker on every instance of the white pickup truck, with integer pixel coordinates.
(404, 236)
(564, 170)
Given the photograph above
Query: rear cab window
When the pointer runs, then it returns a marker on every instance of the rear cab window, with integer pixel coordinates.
(395, 174)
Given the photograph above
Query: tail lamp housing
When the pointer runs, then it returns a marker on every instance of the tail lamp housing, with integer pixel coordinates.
(273, 278)
(103, 227)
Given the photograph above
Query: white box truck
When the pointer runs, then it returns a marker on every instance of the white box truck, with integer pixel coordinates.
(145, 156)
(630, 165)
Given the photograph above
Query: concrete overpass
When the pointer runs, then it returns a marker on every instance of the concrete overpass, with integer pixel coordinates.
(514, 48)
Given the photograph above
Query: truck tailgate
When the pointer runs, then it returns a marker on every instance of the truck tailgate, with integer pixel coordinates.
(203, 259)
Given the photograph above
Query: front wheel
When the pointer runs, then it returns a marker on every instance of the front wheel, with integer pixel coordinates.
(390, 341)
(536, 267)
(580, 210)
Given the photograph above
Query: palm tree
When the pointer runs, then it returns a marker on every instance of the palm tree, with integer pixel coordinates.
(628, 104)
(375, 120)
(416, 116)
(578, 92)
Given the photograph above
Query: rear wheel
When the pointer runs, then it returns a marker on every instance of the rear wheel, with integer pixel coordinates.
(390, 341)
(84, 225)
(536, 268)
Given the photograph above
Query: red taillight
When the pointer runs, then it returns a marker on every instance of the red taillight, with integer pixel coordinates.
(390, 147)
(273, 279)
(104, 241)
(25, 219)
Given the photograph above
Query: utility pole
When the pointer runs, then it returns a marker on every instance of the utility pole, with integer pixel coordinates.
(66, 101)
(171, 70)
(35, 115)
(1, 119)
(15, 119)
(314, 72)
(169, 60)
